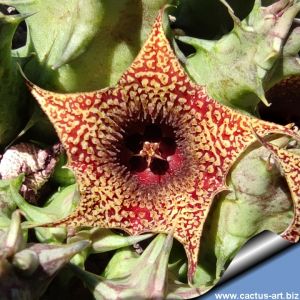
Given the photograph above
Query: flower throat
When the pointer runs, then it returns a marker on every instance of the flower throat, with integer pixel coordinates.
(147, 145)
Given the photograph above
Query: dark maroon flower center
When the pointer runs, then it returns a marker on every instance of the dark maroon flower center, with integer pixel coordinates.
(148, 146)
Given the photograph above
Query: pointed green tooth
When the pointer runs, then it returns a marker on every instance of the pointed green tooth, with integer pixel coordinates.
(239, 67)
(279, 6)
(14, 239)
(121, 264)
(36, 266)
(7, 205)
(152, 279)
(199, 44)
(26, 261)
(271, 56)
(277, 42)
(104, 240)
(177, 267)
(290, 65)
(15, 19)
(264, 100)
(109, 241)
(67, 197)
(52, 259)
(284, 25)
(80, 258)
(236, 20)
(62, 175)
(147, 279)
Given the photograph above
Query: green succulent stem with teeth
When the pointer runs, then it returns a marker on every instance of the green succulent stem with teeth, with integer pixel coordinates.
(145, 277)
(61, 174)
(28, 269)
(97, 38)
(67, 39)
(66, 197)
(12, 88)
(258, 201)
(260, 50)
(90, 51)
(6, 205)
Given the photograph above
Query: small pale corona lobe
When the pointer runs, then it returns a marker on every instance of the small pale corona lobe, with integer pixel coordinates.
(210, 137)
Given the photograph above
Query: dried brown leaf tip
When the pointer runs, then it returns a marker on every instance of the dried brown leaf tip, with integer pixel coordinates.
(151, 153)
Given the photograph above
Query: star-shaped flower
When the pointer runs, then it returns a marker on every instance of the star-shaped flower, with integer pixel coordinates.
(151, 153)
